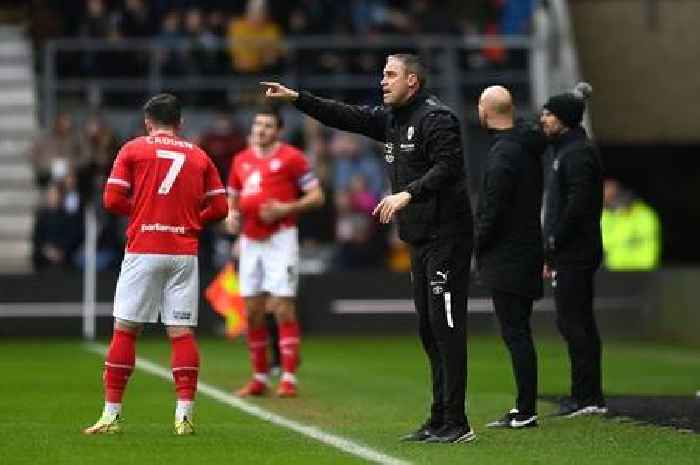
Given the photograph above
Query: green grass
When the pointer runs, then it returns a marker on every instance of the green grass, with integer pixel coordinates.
(369, 390)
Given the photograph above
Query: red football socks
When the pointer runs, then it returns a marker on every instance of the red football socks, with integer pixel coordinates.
(185, 364)
(289, 346)
(119, 363)
(257, 344)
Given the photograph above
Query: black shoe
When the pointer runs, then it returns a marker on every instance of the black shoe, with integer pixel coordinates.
(571, 409)
(514, 420)
(426, 430)
(452, 434)
(588, 410)
(567, 406)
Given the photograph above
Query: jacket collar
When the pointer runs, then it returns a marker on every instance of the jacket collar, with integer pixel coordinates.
(414, 102)
(569, 137)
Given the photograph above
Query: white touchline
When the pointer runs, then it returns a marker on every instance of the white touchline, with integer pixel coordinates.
(346, 445)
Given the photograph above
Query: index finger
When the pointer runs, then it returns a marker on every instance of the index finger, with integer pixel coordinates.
(269, 84)
(378, 207)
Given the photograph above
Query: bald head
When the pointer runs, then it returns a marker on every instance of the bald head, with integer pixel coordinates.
(497, 99)
(496, 108)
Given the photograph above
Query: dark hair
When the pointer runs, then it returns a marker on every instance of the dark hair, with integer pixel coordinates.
(413, 65)
(271, 110)
(163, 109)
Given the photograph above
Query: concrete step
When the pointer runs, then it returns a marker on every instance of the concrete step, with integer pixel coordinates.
(15, 48)
(17, 96)
(18, 201)
(16, 227)
(12, 147)
(15, 256)
(15, 172)
(16, 73)
(19, 184)
(14, 158)
(18, 122)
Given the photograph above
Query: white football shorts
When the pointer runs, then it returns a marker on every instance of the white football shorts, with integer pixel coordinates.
(270, 265)
(156, 284)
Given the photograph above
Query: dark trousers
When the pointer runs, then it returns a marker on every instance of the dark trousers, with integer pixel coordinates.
(573, 295)
(440, 280)
(513, 312)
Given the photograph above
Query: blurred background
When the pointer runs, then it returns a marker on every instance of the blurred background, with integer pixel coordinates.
(74, 74)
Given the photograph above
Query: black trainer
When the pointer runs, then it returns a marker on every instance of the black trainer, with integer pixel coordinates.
(567, 406)
(422, 433)
(514, 420)
(587, 410)
(503, 422)
(452, 434)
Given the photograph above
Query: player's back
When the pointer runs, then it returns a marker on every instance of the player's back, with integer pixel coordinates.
(169, 179)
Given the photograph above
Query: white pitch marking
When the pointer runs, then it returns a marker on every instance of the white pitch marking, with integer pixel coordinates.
(346, 445)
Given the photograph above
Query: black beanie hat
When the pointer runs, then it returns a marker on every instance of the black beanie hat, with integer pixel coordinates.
(569, 106)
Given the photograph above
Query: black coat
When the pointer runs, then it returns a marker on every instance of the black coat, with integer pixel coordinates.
(423, 155)
(508, 235)
(574, 203)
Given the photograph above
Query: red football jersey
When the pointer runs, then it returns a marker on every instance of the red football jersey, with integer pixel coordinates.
(256, 179)
(169, 180)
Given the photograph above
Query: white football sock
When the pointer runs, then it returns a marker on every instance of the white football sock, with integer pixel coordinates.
(112, 408)
(184, 408)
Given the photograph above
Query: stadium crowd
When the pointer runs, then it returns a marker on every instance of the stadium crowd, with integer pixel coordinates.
(253, 33)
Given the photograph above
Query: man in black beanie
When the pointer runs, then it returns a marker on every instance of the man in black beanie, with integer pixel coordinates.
(573, 243)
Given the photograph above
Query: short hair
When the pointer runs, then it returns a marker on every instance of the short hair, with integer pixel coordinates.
(163, 109)
(413, 65)
(271, 110)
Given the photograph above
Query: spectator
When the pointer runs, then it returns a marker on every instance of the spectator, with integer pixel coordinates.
(362, 199)
(135, 21)
(352, 157)
(170, 41)
(221, 141)
(358, 247)
(72, 202)
(399, 256)
(55, 152)
(255, 40)
(631, 230)
(201, 44)
(97, 147)
(96, 22)
(57, 234)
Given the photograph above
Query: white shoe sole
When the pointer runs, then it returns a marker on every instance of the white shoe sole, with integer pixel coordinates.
(588, 411)
(468, 437)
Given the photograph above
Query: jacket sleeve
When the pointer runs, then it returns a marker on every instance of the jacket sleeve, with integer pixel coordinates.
(579, 184)
(443, 145)
(369, 121)
(496, 191)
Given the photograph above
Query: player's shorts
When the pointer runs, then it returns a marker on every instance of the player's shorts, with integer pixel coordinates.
(150, 285)
(270, 265)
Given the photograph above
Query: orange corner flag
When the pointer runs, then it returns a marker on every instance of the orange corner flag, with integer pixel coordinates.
(225, 298)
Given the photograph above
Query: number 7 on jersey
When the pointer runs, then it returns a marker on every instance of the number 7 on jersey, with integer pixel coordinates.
(178, 160)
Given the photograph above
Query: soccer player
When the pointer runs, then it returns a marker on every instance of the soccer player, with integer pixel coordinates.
(270, 183)
(170, 189)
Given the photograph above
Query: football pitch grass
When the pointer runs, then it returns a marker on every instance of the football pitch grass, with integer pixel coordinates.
(366, 390)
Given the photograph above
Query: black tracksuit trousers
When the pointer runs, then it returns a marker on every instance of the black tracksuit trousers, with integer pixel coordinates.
(573, 295)
(440, 280)
(513, 312)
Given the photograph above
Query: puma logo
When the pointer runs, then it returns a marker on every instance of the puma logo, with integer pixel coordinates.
(442, 275)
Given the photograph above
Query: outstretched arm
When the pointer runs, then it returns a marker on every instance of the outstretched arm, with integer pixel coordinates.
(369, 121)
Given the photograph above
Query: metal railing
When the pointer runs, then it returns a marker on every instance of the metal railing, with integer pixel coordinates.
(450, 74)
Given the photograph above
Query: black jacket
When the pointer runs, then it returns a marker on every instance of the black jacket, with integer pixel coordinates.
(574, 203)
(423, 154)
(508, 237)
